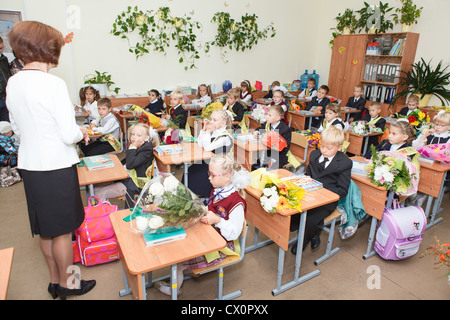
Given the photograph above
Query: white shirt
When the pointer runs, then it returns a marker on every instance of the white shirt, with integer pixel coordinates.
(108, 124)
(203, 101)
(205, 138)
(93, 109)
(303, 93)
(422, 140)
(394, 147)
(42, 114)
(322, 158)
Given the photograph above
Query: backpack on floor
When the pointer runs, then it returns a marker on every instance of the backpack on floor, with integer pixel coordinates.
(400, 232)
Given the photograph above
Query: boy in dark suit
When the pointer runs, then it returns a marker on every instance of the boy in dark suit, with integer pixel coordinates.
(234, 106)
(375, 121)
(358, 102)
(276, 159)
(318, 104)
(331, 167)
(177, 114)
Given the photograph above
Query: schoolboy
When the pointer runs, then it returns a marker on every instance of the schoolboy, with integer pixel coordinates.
(331, 167)
(319, 103)
(358, 102)
(413, 104)
(375, 121)
(176, 113)
(234, 106)
(274, 116)
(310, 92)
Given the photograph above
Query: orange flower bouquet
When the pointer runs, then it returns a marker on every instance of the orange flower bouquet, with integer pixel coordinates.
(442, 251)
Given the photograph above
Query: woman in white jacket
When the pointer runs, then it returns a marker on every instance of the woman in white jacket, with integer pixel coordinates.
(42, 114)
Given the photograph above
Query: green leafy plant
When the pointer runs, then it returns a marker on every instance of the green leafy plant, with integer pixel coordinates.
(409, 13)
(424, 79)
(375, 16)
(346, 20)
(237, 35)
(158, 30)
(100, 78)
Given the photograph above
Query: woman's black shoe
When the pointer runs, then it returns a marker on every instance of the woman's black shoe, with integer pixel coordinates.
(52, 289)
(85, 287)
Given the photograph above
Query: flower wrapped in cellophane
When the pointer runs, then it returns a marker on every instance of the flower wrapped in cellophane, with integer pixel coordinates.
(259, 113)
(210, 108)
(361, 127)
(394, 171)
(165, 205)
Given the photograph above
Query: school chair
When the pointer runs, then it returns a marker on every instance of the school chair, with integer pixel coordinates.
(191, 123)
(297, 141)
(346, 142)
(229, 260)
(330, 220)
(121, 143)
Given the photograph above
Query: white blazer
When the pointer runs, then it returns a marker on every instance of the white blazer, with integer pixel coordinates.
(42, 113)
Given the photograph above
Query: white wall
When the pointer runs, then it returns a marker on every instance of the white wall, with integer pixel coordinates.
(303, 33)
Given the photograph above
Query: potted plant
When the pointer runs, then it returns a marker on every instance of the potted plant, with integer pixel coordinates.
(346, 24)
(408, 14)
(103, 80)
(424, 81)
(374, 19)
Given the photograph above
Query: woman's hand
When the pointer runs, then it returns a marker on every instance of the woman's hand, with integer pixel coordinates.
(84, 131)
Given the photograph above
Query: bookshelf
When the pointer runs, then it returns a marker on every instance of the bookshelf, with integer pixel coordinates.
(383, 56)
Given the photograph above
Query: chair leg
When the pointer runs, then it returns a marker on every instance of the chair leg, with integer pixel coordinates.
(329, 253)
(220, 284)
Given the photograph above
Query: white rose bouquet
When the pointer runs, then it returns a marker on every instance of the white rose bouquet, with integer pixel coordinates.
(259, 113)
(165, 205)
(361, 127)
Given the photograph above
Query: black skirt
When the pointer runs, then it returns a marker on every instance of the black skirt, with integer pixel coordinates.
(54, 201)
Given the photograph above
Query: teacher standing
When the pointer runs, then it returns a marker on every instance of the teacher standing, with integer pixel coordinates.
(42, 113)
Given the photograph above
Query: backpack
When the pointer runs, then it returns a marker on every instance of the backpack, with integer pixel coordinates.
(400, 232)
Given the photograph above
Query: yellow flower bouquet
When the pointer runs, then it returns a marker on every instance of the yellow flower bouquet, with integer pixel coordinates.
(206, 112)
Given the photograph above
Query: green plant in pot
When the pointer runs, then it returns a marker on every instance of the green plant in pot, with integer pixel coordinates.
(346, 24)
(425, 81)
(409, 13)
(374, 18)
(101, 78)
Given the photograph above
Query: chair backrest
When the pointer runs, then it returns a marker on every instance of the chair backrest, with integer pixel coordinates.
(242, 239)
(289, 118)
(191, 121)
(299, 139)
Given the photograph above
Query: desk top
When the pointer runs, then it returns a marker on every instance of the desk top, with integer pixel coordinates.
(193, 152)
(435, 166)
(365, 180)
(200, 239)
(311, 200)
(250, 146)
(118, 172)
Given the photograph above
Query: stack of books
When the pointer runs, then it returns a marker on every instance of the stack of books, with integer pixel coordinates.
(387, 72)
(305, 182)
(247, 137)
(379, 93)
(397, 48)
(169, 149)
(359, 168)
(153, 239)
(98, 162)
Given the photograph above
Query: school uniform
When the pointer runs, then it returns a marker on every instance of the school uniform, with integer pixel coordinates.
(107, 125)
(155, 107)
(404, 112)
(219, 141)
(337, 122)
(316, 102)
(385, 145)
(179, 116)
(379, 122)
(93, 109)
(312, 93)
(245, 96)
(360, 104)
(137, 161)
(285, 108)
(238, 113)
(432, 139)
(202, 101)
(335, 175)
(271, 155)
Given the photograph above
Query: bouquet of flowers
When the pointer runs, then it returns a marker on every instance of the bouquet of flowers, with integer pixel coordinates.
(297, 106)
(277, 194)
(259, 113)
(313, 136)
(437, 152)
(334, 100)
(165, 205)
(206, 112)
(361, 127)
(417, 118)
(172, 136)
(393, 171)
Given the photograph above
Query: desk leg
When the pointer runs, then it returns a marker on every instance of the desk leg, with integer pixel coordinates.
(257, 244)
(298, 261)
(186, 167)
(365, 143)
(436, 206)
(174, 282)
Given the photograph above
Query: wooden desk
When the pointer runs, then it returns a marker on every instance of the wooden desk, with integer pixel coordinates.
(277, 228)
(298, 121)
(6, 259)
(141, 101)
(358, 143)
(246, 153)
(89, 178)
(432, 179)
(252, 123)
(193, 154)
(137, 259)
(374, 202)
(346, 111)
(191, 107)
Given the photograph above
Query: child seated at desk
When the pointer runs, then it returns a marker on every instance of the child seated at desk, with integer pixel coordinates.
(214, 137)
(278, 100)
(226, 212)
(108, 125)
(413, 104)
(269, 94)
(156, 105)
(8, 146)
(439, 134)
(88, 98)
(310, 92)
(204, 96)
(358, 102)
(275, 159)
(235, 107)
(331, 167)
(176, 113)
(318, 104)
(399, 134)
(374, 120)
(246, 89)
(332, 113)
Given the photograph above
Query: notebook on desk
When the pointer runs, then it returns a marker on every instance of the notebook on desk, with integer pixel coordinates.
(152, 239)
(305, 182)
(98, 162)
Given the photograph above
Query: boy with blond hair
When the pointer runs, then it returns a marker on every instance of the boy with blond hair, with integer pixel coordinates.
(331, 167)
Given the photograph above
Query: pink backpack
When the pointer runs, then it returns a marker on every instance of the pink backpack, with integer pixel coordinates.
(400, 232)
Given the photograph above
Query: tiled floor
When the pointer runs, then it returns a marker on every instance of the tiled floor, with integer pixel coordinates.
(345, 276)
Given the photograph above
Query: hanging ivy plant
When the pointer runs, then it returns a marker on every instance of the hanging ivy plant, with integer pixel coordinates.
(157, 31)
(237, 35)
